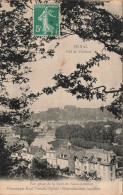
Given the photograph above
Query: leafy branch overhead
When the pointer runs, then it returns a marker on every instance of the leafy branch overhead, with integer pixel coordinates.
(18, 46)
(90, 22)
(73, 83)
(81, 84)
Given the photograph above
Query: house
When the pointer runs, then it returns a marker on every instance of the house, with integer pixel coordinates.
(80, 163)
(96, 161)
(92, 162)
(119, 131)
(16, 135)
(51, 158)
(107, 126)
(36, 152)
(61, 158)
(41, 129)
(26, 155)
(10, 141)
(66, 158)
(23, 143)
(6, 130)
(16, 155)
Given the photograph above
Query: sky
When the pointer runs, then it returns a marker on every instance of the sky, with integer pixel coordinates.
(109, 73)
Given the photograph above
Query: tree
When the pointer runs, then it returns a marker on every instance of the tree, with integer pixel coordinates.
(118, 139)
(11, 167)
(18, 46)
(6, 162)
(26, 133)
(20, 169)
(42, 170)
(87, 20)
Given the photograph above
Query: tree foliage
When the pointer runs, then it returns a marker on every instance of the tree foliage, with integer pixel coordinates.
(90, 22)
(6, 162)
(96, 132)
(119, 139)
(18, 46)
(101, 135)
(20, 170)
(42, 171)
(90, 144)
(26, 133)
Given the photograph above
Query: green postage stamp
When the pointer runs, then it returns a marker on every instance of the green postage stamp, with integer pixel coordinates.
(46, 20)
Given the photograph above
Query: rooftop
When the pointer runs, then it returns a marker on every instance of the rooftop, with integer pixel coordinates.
(65, 154)
(35, 149)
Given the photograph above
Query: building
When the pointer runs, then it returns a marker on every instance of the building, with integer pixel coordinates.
(66, 159)
(97, 162)
(16, 135)
(70, 107)
(26, 155)
(36, 152)
(10, 141)
(16, 155)
(6, 130)
(23, 143)
(41, 129)
(61, 158)
(79, 168)
(51, 158)
(119, 131)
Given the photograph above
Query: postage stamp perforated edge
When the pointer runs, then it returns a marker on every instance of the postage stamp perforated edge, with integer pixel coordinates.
(47, 35)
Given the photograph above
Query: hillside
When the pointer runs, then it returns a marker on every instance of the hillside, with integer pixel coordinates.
(72, 113)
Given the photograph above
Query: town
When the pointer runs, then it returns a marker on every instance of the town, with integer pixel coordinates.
(67, 159)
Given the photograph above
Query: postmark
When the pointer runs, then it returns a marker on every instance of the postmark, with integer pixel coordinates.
(46, 20)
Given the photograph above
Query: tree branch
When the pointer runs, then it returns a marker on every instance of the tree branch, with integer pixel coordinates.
(104, 90)
(28, 6)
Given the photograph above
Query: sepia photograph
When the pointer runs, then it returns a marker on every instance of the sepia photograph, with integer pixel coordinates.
(61, 87)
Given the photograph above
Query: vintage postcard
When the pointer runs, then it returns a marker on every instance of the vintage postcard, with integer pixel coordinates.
(61, 97)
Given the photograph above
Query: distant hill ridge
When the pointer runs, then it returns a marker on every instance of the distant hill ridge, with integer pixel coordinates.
(72, 113)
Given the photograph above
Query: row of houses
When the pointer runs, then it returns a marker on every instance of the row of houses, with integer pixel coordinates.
(96, 162)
